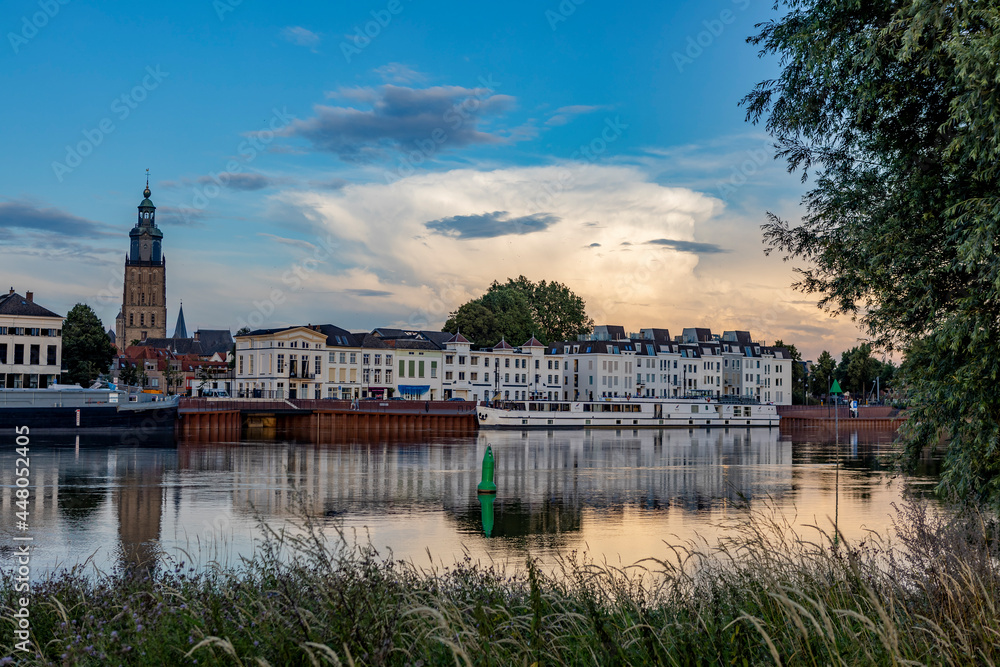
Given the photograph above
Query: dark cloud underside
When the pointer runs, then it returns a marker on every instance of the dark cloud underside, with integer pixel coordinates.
(367, 292)
(25, 216)
(403, 119)
(491, 225)
(689, 246)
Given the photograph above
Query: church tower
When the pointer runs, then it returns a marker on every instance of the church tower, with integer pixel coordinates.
(144, 302)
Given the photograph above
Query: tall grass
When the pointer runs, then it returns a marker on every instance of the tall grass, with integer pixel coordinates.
(765, 595)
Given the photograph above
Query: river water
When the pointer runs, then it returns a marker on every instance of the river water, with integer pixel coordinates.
(616, 495)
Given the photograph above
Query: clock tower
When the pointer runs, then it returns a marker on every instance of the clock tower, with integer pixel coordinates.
(144, 302)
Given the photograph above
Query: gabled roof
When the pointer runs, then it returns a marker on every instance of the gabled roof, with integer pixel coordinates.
(439, 338)
(214, 341)
(174, 345)
(112, 336)
(533, 342)
(458, 338)
(15, 304)
(503, 345)
(337, 337)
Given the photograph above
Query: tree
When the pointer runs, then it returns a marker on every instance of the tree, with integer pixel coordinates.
(129, 375)
(476, 322)
(171, 376)
(559, 313)
(87, 350)
(895, 104)
(823, 374)
(519, 309)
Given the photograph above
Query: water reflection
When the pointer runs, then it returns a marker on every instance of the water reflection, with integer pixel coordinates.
(612, 492)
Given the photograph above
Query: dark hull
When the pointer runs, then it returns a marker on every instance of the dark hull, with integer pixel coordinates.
(92, 418)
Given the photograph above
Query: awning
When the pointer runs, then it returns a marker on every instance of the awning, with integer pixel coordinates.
(417, 389)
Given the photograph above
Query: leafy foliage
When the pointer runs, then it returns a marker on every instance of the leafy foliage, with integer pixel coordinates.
(895, 105)
(87, 350)
(519, 309)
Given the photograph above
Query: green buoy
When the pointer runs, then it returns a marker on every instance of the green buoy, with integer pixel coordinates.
(486, 501)
(488, 485)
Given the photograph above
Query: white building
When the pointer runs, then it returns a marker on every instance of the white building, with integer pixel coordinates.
(30, 343)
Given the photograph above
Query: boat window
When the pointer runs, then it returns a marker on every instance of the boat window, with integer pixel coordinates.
(694, 408)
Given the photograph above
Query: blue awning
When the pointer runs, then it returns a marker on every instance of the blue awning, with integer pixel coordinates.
(417, 389)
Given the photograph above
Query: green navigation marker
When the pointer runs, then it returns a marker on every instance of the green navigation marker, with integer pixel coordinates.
(835, 389)
(486, 501)
(488, 485)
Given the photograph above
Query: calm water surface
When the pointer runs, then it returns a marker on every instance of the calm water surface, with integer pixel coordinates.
(614, 494)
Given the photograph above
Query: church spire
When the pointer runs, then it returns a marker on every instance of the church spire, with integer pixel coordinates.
(180, 329)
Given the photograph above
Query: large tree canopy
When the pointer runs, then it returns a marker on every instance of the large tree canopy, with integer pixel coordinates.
(519, 309)
(87, 350)
(896, 107)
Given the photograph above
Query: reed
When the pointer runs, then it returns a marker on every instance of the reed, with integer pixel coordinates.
(766, 594)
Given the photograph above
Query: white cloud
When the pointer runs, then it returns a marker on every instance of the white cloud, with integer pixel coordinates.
(384, 233)
(301, 36)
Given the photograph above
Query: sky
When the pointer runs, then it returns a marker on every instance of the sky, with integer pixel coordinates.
(379, 163)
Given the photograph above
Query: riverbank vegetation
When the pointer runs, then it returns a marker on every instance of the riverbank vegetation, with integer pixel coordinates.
(768, 594)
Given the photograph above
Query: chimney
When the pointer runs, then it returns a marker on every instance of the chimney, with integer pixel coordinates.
(11, 291)
(29, 297)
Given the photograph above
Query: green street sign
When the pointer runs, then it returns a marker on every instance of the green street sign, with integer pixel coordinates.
(835, 389)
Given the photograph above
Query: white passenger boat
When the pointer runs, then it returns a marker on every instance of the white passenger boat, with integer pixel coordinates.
(629, 413)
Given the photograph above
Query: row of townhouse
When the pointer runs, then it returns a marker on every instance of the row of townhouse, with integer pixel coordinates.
(325, 361)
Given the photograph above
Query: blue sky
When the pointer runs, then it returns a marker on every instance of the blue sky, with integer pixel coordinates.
(379, 163)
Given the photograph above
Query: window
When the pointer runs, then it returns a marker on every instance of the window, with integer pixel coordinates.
(536, 364)
(461, 360)
(131, 319)
(142, 319)
(366, 376)
(506, 363)
(378, 359)
(447, 375)
(241, 365)
(474, 377)
(19, 354)
(449, 359)
(378, 376)
(354, 357)
(251, 364)
(318, 365)
(388, 360)
(413, 368)
(506, 377)
(281, 364)
(365, 359)
(343, 358)
(402, 368)
(420, 368)
(474, 361)
(3, 353)
(152, 319)
(486, 377)
(461, 375)
(434, 369)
